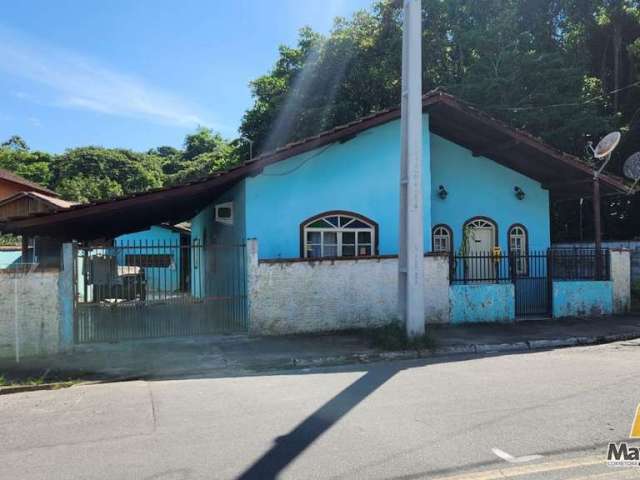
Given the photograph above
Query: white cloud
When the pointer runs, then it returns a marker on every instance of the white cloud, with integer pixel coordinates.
(75, 81)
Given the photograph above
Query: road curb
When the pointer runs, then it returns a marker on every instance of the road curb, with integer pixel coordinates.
(462, 349)
(8, 390)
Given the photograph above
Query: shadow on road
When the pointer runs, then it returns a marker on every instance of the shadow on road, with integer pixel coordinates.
(288, 447)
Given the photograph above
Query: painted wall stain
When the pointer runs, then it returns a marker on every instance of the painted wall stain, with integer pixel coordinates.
(482, 303)
(582, 298)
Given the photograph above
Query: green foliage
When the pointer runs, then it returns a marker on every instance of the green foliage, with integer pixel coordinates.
(513, 58)
(16, 143)
(34, 166)
(205, 152)
(92, 173)
(560, 69)
(8, 240)
(557, 68)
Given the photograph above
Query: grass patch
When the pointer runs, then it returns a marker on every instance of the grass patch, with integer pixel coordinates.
(394, 337)
(35, 378)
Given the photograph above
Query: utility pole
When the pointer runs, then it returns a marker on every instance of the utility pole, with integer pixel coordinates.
(411, 238)
(597, 228)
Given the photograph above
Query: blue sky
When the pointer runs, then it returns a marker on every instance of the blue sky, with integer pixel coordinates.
(143, 73)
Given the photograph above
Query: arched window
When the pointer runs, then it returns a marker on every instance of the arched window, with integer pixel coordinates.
(442, 239)
(338, 234)
(518, 247)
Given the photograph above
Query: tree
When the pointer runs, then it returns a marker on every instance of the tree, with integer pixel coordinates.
(92, 173)
(15, 156)
(15, 142)
(204, 152)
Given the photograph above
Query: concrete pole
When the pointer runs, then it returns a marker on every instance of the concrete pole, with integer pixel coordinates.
(597, 228)
(411, 238)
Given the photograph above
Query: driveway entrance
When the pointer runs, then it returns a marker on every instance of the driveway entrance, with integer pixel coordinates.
(158, 289)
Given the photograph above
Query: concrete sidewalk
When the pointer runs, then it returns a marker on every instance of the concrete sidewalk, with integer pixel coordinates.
(232, 355)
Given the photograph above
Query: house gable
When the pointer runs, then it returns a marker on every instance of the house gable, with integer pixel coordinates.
(479, 187)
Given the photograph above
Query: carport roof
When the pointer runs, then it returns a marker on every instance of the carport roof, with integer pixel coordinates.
(451, 118)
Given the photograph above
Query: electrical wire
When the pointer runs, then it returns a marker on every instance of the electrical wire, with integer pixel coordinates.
(559, 105)
(297, 167)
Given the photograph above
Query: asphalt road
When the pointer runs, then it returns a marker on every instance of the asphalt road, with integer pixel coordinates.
(457, 418)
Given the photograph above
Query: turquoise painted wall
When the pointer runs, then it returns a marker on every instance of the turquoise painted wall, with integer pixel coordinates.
(482, 303)
(478, 186)
(164, 242)
(218, 258)
(582, 298)
(360, 175)
(8, 257)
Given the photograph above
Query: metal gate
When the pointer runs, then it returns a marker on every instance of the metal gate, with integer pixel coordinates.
(147, 289)
(532, 283)
(532, 273)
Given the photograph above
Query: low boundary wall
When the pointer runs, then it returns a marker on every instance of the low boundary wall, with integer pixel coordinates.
(36, 309)
(296, 295)
(29, 313)
(482, 303)
(582, 298)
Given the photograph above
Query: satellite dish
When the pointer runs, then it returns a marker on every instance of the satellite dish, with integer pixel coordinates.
(607, 145)
(631, 167)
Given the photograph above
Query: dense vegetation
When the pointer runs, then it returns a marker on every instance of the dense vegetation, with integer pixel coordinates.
(562, 69)
(92, 173)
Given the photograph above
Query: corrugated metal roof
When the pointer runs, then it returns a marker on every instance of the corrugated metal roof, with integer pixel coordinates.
(56, 203)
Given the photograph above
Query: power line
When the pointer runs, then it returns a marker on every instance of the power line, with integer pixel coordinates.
(559, 105)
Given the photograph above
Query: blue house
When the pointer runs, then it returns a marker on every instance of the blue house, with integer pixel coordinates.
(477, 173)
(335, 196)
(305, 238)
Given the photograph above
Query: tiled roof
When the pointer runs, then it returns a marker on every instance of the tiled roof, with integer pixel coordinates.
(449, 117)
(17, 179)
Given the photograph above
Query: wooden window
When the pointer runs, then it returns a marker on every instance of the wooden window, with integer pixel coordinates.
(518, 248)
(338, 234)
(442, 239)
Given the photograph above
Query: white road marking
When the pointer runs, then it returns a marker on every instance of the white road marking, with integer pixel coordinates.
(511, 459)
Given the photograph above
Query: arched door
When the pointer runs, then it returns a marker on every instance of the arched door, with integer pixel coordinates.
(480, 236)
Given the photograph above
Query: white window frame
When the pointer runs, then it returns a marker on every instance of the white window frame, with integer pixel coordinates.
(339, 231)
(224, 220)
(441, 232)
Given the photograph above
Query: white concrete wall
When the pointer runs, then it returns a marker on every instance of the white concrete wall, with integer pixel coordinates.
(621, 278)
(313, 296)
(33, 328)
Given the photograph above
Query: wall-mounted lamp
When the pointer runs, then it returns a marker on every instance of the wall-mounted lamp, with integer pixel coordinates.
(519, 193)
(442, 192)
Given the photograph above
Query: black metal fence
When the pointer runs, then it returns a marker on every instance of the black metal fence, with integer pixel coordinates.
(580, 264)
(481, 267)
(143, 289)
(557, 264)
